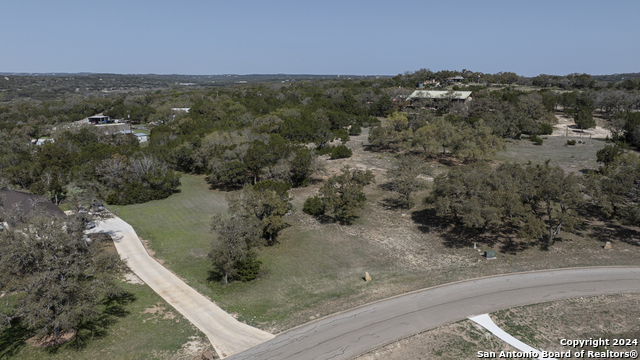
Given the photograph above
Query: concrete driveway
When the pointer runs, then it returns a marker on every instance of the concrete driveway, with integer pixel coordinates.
(356, 331)
(227, 335)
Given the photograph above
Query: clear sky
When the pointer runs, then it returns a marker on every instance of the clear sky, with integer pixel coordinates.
(319, 37)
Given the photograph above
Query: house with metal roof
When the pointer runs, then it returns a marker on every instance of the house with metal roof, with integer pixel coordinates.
(142, 137)
(458, 96)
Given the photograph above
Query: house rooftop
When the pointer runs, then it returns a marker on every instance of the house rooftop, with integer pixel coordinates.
(27, 204)
(438, 94)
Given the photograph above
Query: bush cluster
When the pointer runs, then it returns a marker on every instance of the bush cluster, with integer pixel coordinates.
(314, 206)
(341, 152)
(536, 139)
(546, 129)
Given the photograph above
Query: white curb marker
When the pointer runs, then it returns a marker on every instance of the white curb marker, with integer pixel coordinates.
(486, 322)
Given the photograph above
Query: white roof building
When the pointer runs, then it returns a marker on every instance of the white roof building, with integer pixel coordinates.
(440, 95)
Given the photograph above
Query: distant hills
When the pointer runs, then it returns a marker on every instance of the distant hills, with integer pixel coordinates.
(231, 78)
(617, 77)
(226, 78)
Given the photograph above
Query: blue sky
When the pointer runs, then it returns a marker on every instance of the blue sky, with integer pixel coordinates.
(319, 37)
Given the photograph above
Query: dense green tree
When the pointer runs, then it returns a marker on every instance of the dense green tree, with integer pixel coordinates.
(609, 154)
(302, 166)
(584, 119)
(343, 195)
(237, 238)
(268, 201)
(616, 187)
(540, 200)
(476, 195)
(58, 277)
(406, 176)
(314, 206)
(552, 198)
(340, 152)
(137, 179)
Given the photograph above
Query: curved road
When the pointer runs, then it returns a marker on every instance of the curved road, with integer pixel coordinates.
(227, 335)
(353, 332)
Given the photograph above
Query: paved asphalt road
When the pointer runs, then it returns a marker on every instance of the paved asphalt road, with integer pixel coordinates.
(348, 334)
(227, 335)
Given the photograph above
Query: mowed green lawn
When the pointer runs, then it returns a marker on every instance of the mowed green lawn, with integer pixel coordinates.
(178, 228)
(303, 274)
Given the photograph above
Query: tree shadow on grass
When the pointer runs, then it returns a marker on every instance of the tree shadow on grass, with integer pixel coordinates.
(611, 231)
(13, 339)
(98, 326)
(454, 234)
(457, 236)
(390, 203)
(224, 187)
(215, 276)
(511, 246)
(328, 219)
(388, 186)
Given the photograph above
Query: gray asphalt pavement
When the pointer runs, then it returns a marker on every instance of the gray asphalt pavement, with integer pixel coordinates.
(348, 334)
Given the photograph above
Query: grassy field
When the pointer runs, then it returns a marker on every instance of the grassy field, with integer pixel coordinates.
(140, 325)
(317, 269)
(177, 228)
(579, 157)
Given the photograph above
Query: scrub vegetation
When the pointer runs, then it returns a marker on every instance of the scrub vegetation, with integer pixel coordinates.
(273, 198)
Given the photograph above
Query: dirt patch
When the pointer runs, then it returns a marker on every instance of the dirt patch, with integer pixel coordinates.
(192, 349)
(566, 127)
(198, 253)
(159, 312)
(132, 278)
(169, 316)
(154, 309)
(52, 340)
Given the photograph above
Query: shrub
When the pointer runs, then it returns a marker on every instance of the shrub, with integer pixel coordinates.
(324, 150)
(609, 154)
(355, 130)
(571, 142)
(248, 269)
(454, 119)
(371, 121)
(341, 134)
(536, 139)
(313, 206)
(546, 129)
(340, 152)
